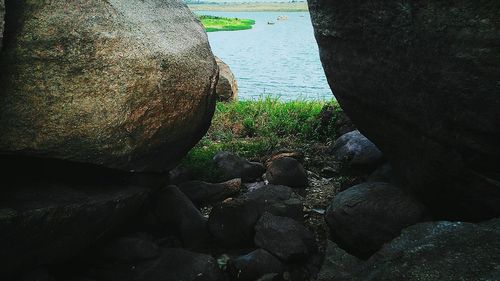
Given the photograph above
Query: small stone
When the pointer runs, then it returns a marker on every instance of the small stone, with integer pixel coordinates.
(254, 265)
(231, 166)
(287, 171)
(354, 149)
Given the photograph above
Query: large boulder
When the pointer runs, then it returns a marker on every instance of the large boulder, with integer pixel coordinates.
(47, 224)
(439, 251)
(125, 84)
(364, 217)
(427, 251)
(227, 87)
(2, 21)
(421, 80)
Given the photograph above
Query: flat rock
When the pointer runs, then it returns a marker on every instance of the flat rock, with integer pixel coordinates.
(47, 224)
(420, 80)
(284, 237)
(232, 221)
(124, 84)
(364, 217)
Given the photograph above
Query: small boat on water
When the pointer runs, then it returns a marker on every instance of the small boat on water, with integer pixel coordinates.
(270, 22)
(282, 18)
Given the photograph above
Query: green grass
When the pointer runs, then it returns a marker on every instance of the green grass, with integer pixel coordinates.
(213, 23)
(253, 129)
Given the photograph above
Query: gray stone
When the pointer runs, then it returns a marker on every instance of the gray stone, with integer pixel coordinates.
(420, 79)
(354, 150)
(364, 217)
(338, 265)
(227, 87)
(444, 251)
(125, 84)
(232, 221)
(284, 237)
(287, 171)
(231, 166)
(130, 249)
(254, 265)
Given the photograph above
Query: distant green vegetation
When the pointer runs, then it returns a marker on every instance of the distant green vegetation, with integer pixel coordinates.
(250, 7)
(253, 129)
(213, 23)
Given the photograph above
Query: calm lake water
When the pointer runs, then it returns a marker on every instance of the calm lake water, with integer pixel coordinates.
(280, 60)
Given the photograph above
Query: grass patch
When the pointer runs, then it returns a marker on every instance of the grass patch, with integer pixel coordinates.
(213, 23)
(254, 129)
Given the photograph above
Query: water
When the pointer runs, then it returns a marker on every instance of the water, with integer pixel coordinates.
(280, 60)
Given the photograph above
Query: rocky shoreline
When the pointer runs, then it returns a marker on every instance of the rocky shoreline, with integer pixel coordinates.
(100, 100)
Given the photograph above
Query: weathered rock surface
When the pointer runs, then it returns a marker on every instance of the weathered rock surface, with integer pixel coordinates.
(232, 221)
(227, 87)
(253, 265)
(231, 166)
(172, 264)
(287, 171)
(123, 84)
(284, 237)
(2, 21)
(43, 225)
(338, 265)
(420, 79)
(202, 193)
(130, 249)
(364, 217)
(439, 251)
(172, 211)
(355, 150)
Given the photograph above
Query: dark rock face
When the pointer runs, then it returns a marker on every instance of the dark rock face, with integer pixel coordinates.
(364, 217)
(123, 84)
(202, 193)
(355, 150)
(55, 223)
(179, 264)
(232, 221)
(439, 251)
(421, 80)
(284, 237)
(2, 21)
(172, 264)
(338, 265)
(287, 171)
(231, 166)
(130, 249)
(171, 210)
(252, 266)
(227, 87)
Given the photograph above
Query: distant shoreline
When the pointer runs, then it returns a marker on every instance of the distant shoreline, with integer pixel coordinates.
(251, 7)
